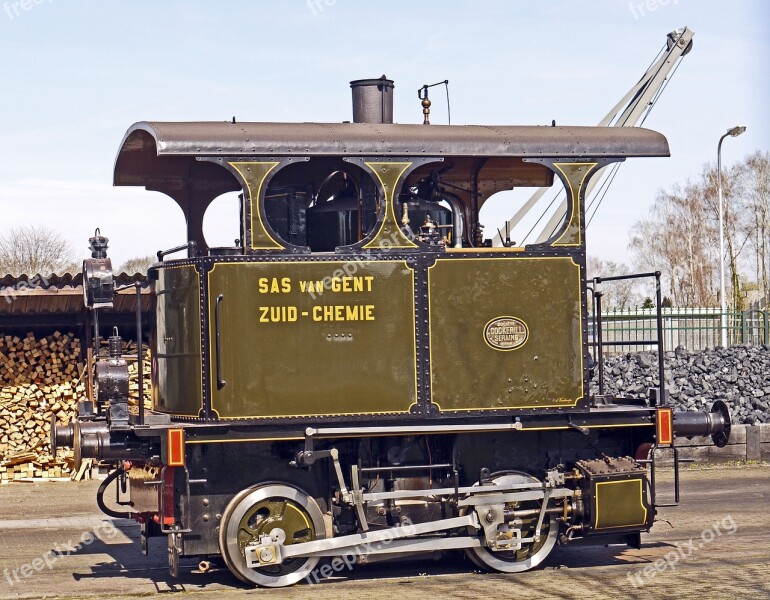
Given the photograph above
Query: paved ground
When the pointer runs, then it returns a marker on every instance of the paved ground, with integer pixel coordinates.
(718, 546)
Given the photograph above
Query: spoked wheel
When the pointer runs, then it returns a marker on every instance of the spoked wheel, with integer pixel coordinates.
(530, 555)
(260, 510)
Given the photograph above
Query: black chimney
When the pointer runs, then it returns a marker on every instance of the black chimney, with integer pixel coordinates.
(372, 100)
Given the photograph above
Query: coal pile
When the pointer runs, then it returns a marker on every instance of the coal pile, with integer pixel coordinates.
(739, 375)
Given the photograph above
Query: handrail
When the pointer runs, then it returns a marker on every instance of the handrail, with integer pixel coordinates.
(599, 343)
(191, 247)
(218, 334)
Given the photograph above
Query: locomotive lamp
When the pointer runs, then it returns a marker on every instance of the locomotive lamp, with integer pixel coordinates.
(111, 382)
(98, 282)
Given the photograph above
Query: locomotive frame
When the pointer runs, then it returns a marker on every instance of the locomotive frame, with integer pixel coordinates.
(450, 412)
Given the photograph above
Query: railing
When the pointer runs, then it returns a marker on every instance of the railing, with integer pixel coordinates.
(692, 328)
(599, 342)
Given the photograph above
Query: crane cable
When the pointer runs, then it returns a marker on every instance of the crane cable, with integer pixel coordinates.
(559, 192)
(608, 180)
(611, 178)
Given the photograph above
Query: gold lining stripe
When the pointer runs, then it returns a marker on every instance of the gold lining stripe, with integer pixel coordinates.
(235, 441)
(485, 249)
(212, 339)
(200, 345)
(254, 200)
(575, 200)
(390, 212)
(366, 434)
(430, 338)
(641, 504)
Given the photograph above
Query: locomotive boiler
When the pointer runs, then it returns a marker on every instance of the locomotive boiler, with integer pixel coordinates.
(361, 374)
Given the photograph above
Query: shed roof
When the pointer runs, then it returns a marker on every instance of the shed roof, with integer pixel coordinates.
(62, 294)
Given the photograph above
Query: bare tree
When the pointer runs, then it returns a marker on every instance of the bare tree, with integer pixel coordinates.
(734, 227)
(617, 294)
(36, 249)
(755, 186)
(681, 235)
(678, 239)
(138, 264)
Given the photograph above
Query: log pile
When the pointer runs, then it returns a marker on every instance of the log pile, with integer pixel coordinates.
(133, 380)
(40, 378)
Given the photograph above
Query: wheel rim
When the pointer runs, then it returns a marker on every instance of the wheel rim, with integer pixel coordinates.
(530, 555)
(260, 510)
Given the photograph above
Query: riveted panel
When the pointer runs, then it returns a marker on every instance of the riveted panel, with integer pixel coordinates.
(313, 338)
(178, 345)
(505, 333)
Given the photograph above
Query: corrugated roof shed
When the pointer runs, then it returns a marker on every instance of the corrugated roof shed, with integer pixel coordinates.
(30, 295)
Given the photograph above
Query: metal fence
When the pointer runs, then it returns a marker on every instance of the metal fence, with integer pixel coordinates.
(692, 328)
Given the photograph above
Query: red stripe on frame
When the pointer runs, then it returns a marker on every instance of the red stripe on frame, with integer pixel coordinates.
(176, 447)
(665, 434)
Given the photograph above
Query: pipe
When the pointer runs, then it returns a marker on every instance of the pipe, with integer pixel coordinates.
(457, 217)
(139, 353)
(532, 512)
(100, 496)
(372, 100)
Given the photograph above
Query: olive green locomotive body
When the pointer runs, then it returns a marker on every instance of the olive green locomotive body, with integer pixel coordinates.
(308, 338)
(298, 340)
(362, 365)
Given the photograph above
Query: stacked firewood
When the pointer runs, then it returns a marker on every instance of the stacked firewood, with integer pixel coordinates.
(133, 379)
(39, 378)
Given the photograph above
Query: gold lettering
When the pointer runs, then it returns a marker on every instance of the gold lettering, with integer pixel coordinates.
(336, 284)
(311, 287)
(344, 312)
(277, 314)
(274, 285)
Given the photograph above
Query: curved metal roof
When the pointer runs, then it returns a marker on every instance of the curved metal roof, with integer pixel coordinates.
(364, 139)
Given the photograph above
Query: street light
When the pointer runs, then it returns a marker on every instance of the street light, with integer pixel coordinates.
(734, 132)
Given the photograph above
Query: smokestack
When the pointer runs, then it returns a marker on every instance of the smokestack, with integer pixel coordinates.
(372, 100)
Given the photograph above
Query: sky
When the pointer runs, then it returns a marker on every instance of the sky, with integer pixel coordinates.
(75, 75)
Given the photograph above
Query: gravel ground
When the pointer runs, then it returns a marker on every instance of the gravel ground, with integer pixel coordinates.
(720, 533)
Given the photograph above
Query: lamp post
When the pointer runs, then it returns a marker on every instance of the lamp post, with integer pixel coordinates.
(734, 132)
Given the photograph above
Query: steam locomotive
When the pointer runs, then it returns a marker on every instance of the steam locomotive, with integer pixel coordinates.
(362, 374)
